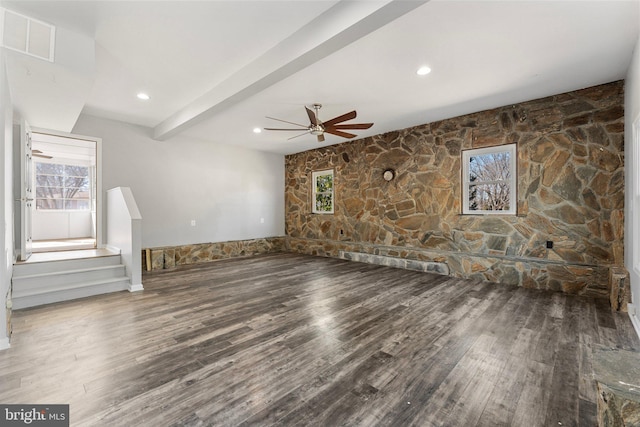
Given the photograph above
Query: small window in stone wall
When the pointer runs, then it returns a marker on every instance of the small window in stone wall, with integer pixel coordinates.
(323, 196)
(489, 180)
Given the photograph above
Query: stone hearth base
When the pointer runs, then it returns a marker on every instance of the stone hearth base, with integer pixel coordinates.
(407, 264)
(617, 373)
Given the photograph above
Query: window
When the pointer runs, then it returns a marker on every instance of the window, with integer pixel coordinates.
(62, 187)
(489, 180)
(322, 192)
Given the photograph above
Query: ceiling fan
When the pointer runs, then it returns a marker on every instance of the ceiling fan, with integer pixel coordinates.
(38, 153)
(319, 128)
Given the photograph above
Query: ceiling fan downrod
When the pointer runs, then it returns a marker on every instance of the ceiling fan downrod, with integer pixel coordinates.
(316, 128)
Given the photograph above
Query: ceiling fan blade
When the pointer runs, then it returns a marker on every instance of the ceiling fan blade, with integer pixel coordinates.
(337, 132)
(343, 118)
(321, 137)
(353, 126)
(285, 121)
(299, 135)
(312, 116)
(297, 130)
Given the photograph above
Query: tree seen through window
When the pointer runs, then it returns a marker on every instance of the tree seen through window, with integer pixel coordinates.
(62, 187)
(489, 175)
(490, 180)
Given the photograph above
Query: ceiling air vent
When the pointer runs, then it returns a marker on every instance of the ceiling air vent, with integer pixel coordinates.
(27, 35)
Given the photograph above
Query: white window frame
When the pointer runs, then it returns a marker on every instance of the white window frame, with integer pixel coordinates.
(466, 181)
(314, 177)
(66, 162)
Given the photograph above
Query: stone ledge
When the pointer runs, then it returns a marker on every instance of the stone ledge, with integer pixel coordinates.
(570, 278)
(617, 373)
(407, 264)
(441, 252)
(169, 257)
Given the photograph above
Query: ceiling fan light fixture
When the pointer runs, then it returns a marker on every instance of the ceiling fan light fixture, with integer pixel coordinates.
(143, 96)
(318, 128)
(257, 130)
(423, 71)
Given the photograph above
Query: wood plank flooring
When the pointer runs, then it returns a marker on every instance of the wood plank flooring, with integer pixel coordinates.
(293, 340)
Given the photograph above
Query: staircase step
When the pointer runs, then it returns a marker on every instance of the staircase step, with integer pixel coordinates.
(68, 292)
(47, 267)
(52, 279)
(55, 277)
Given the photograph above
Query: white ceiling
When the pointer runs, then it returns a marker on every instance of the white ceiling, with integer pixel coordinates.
(215, 69)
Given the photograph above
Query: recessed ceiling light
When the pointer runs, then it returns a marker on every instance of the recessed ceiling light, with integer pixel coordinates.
(257, 130)
(143, 96)
(423, 71)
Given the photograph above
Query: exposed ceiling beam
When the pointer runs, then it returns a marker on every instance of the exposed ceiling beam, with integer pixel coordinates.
(339, 26)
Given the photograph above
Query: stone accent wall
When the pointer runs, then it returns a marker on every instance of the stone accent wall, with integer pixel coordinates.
(570, 191)
(171, 257)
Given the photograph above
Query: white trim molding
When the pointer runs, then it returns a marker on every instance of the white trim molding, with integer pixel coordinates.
(136, 288)
(633, 315)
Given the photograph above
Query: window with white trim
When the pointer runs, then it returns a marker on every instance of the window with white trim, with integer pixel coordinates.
(323, 196)
(489, 180)
(62, 187)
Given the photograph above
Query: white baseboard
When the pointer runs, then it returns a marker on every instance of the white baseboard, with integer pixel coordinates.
(633, 315)
(136, 288)
(4, 343)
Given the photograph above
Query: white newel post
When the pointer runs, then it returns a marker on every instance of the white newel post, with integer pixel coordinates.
(124, 232)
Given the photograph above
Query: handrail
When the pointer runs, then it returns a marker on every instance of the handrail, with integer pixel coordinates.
(124, 232)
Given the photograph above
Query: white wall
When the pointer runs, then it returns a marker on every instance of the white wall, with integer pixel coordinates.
(632, 192)
(49, 225)
(6, 195)
(225, 189)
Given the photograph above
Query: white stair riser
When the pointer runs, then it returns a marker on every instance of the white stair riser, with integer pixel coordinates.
(42, 281)
(26, 301)
(28, 269)
(39, 283)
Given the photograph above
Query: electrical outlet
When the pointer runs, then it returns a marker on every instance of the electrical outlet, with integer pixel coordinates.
(261, 220)
(549, 244)
(193, 222)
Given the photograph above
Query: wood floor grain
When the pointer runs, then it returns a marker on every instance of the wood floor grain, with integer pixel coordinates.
(293, 340)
